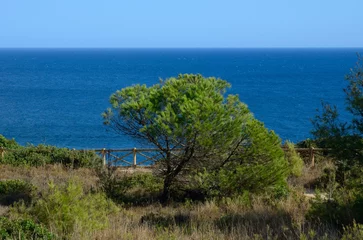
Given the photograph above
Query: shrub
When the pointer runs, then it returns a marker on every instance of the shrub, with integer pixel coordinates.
(23, 229)
(113, 185)
(343, 208)
(43, 154)
(15, 190)
(294, 160)
(68, 210)
(8, 143)
(135, 188)
(353, 232)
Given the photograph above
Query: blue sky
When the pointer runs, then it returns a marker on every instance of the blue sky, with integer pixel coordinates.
(183, 23)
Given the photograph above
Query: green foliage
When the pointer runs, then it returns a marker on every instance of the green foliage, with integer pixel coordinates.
(343, 208)
(354, 232)
(146, 181)
(8, 143)
(256, 167)
(344, 138)
(134, 189)
(346, 141)
(68, 209)
(15, 190)
(43, 154)
(23, 229)
(191, 113)
(294, 159)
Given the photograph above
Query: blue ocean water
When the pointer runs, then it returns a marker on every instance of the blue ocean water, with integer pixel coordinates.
(56, 96)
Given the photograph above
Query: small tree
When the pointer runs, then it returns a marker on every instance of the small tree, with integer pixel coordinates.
(188, 118)
(345, 138)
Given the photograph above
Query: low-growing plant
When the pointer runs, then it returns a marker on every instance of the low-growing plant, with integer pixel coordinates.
(353, 232)
(44, 154)
(343, 208)
(15, 190)
(129, 188)
(69, 210)
(23, 229)
(114, 185)
(8, 143)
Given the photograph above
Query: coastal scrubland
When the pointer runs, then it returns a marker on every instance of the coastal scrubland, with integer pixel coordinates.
(62, 201)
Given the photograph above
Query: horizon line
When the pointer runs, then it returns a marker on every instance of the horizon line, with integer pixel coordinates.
(124, 48)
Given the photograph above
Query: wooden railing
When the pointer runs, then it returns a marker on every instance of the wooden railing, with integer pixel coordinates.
(311, 152)
(133, 157)
(129, 157)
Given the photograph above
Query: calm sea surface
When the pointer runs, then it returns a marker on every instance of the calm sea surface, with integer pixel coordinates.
(56, 96)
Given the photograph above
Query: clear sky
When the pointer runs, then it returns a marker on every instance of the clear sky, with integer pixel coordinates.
(181, 23)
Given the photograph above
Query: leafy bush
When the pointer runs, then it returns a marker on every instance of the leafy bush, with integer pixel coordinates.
(353, 232)
(8, 143)
(43, 154)
(343, 208)
(23, 229)
(294, 160)
(15, 190)
(135, 188)
(112, 184)
(68, 210)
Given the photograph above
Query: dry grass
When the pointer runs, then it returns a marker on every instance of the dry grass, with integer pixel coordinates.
(310, 175)
(229, 219)
(41, 176)
(213, 221)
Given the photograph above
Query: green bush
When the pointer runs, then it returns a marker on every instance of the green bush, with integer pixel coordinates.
(8, 143)
(113, 185)
(15, 190)
(22, 230)
(294, 160)
(68, 210)
(354, 232)
(343, 208)
(43, 154)
(135, 188)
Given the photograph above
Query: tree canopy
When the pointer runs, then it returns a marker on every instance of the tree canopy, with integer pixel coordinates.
(193, 123)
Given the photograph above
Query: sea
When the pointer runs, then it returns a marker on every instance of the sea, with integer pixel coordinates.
(57, 96)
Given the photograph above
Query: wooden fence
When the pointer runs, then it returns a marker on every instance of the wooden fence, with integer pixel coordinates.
(134, 157)
(309, 154)
(131, 157)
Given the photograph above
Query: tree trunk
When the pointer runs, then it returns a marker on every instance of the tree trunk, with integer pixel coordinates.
(165, 197)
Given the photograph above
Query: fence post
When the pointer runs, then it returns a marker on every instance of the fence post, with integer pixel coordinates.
(104, 156)
(312, 157)
(134, 161)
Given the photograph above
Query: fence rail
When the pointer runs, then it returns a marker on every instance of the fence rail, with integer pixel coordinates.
(129, 157)
(133, 157)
